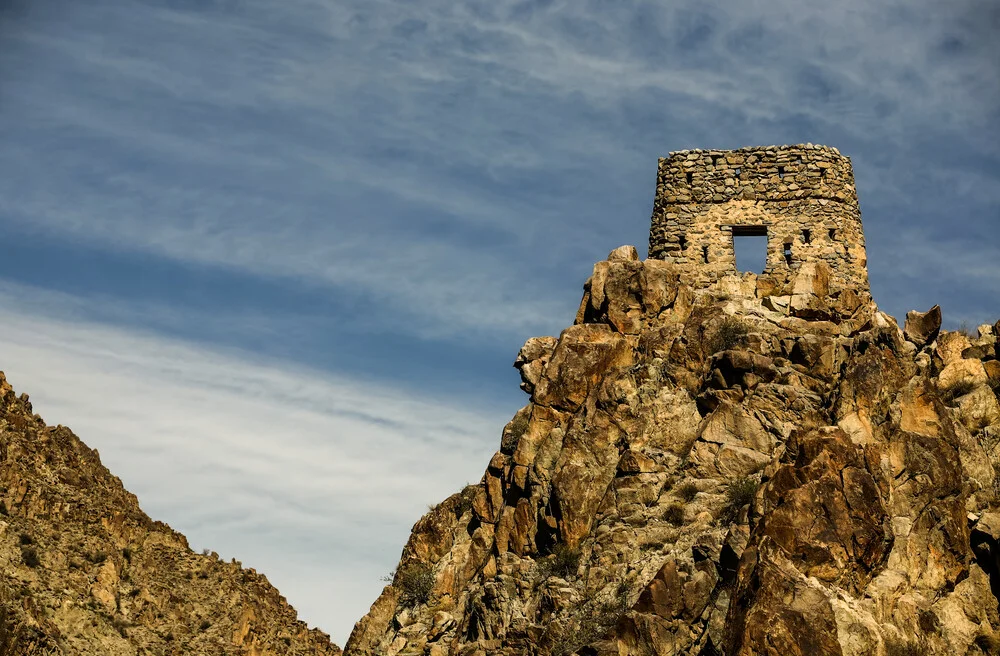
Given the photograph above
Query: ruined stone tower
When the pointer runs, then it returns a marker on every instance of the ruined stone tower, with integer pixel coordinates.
(801, 197)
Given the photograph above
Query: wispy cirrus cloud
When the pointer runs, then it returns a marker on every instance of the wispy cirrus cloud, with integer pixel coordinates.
(311, 478)
(412, 151)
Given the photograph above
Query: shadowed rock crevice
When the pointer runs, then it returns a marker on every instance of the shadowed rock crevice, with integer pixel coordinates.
(985, 543)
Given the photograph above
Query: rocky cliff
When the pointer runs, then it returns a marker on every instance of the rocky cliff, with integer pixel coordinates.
(712, 471)
(84, 571)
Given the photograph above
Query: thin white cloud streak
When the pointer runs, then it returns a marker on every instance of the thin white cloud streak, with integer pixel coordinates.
(314, 480)
(524, 67)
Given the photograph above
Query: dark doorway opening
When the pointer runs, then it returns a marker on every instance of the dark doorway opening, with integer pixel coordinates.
(750, 245)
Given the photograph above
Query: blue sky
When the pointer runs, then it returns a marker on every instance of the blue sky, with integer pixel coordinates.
(274, 259)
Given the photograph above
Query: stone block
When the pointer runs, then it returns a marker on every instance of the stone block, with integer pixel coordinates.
(922, 327)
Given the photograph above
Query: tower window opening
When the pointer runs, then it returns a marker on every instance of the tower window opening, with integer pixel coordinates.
(715, 160)
(736, 171)
(833, 233)
(788, 254)
(806, 236)
(781, 171)
(704, 253)
(750, 247)
(751, 252)
(682, 242)
(798, 159)
(690, 177)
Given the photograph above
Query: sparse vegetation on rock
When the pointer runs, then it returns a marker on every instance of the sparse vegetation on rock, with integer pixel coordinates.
(674, 514)
(29, 555)
(739, 493)
(729, 334)
(687, 491)
(416, 581)
(564, 561)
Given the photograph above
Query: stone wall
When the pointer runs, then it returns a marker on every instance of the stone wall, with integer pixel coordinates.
(802, 197)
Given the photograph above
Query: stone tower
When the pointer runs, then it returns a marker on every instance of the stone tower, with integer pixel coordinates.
(801, 197)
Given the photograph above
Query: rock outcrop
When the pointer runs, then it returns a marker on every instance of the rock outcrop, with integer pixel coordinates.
(711, 470)
(922, 327)
(85, 571)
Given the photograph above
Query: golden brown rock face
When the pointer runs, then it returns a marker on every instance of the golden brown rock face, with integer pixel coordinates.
(85, 571)
(710, 471)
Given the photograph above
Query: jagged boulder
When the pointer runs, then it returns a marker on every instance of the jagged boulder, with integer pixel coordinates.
(922, 327)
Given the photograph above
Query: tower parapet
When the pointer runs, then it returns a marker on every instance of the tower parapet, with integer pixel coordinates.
(801, 197)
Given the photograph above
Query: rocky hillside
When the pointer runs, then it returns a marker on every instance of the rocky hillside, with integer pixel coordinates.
(84, 571)
(721, 472)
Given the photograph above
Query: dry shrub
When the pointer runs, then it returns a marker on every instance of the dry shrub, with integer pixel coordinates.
(562, 562)
(730, 333)
(739, 493)
(957, 389)
(416, 581)
(464, 502)
(513, 431)
(674, 514)
(897, 647)
(595, 619)
(687, 491)
(30, 556)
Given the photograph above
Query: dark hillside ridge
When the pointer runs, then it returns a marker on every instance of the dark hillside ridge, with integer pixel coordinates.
(85, 571)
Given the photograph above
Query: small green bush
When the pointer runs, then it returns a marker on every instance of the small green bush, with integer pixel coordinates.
(674, 514)
(464, 502)
(562, 562)
(513, 431)
(24, 540)
(739, 493)
(205, 624)
(416, 581)
(730, 333)
(687, 491)
(595, 619)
